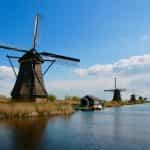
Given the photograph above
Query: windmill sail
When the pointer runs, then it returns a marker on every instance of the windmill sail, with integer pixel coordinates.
(109, 90)
(13, 48)
(52, 55)
(116, 91)
(35, 31)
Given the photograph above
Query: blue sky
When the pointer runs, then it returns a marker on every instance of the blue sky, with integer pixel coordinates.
(96, 31)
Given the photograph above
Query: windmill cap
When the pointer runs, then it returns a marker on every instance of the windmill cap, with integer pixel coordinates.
(31, 55)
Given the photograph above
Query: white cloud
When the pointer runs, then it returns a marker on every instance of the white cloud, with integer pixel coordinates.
(6, 72)
(81, 72)
(7, 79)
(133, 74)
(145, 37)
(130, 66)
(137, 84)
(80, 87)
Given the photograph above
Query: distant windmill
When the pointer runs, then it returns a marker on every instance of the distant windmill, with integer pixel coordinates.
(29, 84)
(132, 98)
(135, 97)
(116, 92)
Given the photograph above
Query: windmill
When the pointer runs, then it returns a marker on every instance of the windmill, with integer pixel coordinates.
(29, 85)
(135, 97)
(116, 91)
(132, 98)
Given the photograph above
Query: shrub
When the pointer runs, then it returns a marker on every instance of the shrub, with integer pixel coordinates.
(52, 97)
(75, 98)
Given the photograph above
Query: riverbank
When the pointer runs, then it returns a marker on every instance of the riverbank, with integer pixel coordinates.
(107, 104)
(122, 103)
(115, 129)
(9, 110)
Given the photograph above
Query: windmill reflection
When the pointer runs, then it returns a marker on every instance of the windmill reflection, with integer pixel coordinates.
(27, 134)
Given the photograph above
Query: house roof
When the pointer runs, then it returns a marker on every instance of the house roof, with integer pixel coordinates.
(91, 97)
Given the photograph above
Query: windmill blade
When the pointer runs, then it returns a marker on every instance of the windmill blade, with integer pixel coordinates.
(13, 57)
(122, 90)
(35, 31)
(111, 90)
(13, 48)
(60, 57)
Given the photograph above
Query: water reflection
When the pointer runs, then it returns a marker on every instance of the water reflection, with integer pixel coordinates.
(125, 128)
(117, 123)
(26, 134)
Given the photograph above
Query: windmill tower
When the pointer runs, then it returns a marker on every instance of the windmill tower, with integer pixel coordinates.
(116, 92)
(132, 98)
(29, 85)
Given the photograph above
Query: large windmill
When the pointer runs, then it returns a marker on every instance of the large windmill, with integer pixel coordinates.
(116, 92)
(29, 85)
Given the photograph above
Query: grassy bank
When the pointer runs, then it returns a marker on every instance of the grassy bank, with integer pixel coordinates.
(76, 103)
(122, 103)
(9, 109)
(26, 109)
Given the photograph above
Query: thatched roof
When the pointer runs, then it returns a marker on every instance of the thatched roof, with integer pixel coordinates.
(91, 100)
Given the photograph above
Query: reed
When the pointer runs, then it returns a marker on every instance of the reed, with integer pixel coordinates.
(31, 109)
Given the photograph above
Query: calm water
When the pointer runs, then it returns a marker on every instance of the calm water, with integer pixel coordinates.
(125, 128)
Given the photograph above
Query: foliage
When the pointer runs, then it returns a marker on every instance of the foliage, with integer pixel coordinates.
(122, 103)
(72, 98)
(140, 98)
(52, 97)
(75, 98)
(140, 101)
(115, 103)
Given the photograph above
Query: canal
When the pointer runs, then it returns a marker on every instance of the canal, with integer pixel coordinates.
(123, 128)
